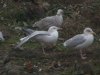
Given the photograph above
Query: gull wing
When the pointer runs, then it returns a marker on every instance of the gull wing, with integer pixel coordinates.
(28, 31)
(75, 41)
(36, 33)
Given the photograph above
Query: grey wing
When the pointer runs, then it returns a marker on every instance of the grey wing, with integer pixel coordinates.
(28, 31)
(25, 39)
(76, 40)
(46, 23)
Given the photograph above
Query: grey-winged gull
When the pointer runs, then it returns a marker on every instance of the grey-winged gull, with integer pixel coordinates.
(81, 41)
(46, 38)
(47, 22)
(1, 36)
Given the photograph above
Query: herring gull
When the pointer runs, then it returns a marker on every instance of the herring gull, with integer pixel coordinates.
(81, 41)
(47, 22)
(46, 38)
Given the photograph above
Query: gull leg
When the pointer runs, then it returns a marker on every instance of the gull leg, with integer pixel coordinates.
(43, 48)
(43, 51)
(82, 56)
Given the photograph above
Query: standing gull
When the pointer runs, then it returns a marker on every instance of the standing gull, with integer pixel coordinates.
(81, 41)
(47, 22)
(46, 38)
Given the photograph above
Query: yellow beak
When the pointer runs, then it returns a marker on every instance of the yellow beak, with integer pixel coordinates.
(59, 28)
(93, 33)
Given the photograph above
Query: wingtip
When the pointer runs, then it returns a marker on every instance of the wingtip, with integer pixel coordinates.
(18, 48)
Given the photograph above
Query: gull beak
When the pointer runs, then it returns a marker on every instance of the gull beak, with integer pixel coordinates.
(59, 28)
(93, 33)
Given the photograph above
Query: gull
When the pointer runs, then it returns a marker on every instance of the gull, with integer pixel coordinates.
(47, 22)
(81, 41)
(1, 36)
(46, 38)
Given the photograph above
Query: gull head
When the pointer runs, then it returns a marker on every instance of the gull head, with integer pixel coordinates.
(54, 28)
(60, 12)
(88, 31)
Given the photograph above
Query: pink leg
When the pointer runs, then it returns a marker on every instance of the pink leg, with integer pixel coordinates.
(42, 45)
(82, 55)
(43, 49)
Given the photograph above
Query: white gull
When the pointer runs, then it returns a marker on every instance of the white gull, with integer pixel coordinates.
(81, 41)
(46, 38)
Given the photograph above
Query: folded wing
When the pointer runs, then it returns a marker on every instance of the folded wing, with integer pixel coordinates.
(48, 22)
(75, 41)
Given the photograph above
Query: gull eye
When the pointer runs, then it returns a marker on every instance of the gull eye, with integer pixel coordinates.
(88, 30)
(54, 28)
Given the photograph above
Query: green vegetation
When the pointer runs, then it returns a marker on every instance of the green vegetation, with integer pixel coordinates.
(77, 15)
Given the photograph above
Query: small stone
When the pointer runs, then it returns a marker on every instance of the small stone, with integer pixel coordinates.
(2, 18)
(40, 69)
(18, 28)
(4, 5)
